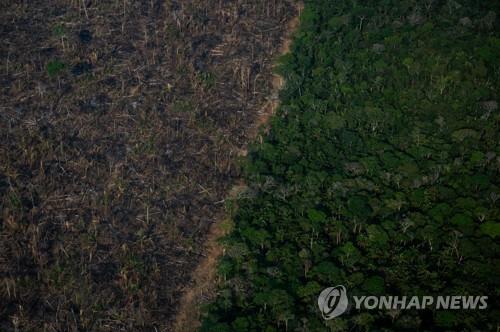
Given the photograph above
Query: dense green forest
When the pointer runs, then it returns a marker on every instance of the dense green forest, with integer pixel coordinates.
(380, 172)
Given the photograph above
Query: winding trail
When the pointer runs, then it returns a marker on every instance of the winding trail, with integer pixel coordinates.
(203, 280)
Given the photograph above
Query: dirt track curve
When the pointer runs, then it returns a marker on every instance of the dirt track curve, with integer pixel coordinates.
(203, 280)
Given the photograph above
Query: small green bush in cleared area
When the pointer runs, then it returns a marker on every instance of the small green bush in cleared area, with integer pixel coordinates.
(55, 67)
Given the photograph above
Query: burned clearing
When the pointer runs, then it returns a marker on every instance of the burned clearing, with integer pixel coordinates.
(121, 124)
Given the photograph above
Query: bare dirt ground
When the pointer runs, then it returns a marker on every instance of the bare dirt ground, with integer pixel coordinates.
(120, 124)
(202, 287)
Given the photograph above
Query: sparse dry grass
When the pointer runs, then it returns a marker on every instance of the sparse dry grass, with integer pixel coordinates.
(113, 167)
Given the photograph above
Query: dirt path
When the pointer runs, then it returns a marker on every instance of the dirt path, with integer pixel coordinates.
(278, 81)
(204, 281)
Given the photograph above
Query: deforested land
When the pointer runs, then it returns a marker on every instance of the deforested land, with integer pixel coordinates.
(121, 128)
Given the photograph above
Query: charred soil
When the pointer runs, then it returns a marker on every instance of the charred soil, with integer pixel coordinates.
(120, 125)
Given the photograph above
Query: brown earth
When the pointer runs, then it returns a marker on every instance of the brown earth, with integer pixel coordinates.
(202, 287)
(120, 125)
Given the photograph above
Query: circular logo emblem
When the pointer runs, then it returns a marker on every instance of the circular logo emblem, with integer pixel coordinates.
(333, 302)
